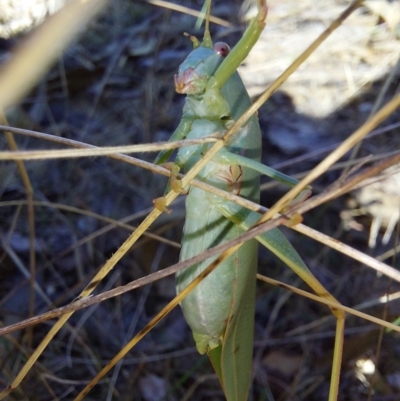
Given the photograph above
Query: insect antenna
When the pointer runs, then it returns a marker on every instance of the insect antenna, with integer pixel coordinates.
(207, 41)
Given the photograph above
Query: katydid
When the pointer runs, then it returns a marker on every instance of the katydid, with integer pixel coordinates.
(220, 310)
(225, 335)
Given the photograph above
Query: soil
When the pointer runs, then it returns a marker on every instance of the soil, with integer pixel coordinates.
(114, 86)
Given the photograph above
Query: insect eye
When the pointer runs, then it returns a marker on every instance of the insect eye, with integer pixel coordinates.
(222, 49)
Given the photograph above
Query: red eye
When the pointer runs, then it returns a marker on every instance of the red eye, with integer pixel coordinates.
(222, 49)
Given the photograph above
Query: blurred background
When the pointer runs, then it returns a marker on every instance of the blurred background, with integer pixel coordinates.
(114, 86)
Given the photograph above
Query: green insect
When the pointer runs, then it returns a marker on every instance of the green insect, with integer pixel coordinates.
(220, 310)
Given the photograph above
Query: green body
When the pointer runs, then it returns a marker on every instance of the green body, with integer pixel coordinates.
(231, 287)
(211, 305)
(220, 310)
